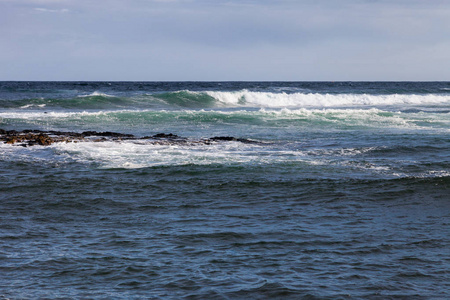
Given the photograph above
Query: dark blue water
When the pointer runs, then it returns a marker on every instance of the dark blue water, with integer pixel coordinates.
(345, 195)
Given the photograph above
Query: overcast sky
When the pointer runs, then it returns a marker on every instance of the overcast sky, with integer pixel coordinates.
(296, 40)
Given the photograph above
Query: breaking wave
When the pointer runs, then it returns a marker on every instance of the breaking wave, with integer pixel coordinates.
(264, 99)
(228, 99)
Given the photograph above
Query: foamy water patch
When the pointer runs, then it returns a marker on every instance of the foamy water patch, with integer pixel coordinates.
(329, 163)
(47, 115)
(307, 118)
(141, 154)
(357, 118)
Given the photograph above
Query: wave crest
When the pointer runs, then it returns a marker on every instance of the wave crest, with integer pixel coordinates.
(96, 94)
(277, 100)
(231, 99)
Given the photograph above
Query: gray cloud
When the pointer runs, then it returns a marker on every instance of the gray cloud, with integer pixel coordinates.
(224, 40)
(63, 10)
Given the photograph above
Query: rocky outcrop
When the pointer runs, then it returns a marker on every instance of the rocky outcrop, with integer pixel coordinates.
(27, 138)
(230, 138)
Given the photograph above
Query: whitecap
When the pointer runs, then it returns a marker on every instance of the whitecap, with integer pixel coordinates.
(280, 100)
(32, 105)
(96, 94)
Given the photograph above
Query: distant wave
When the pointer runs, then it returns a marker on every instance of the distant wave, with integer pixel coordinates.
(264, 99)
(33, 105)
(95, 94)
(81, 102)
(187, 99)
(228, 99)
(246, 98)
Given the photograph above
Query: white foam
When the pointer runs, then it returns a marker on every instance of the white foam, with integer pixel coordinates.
(128, 154)
(284, 112)
(96, 93)
(437, 173)
(342, 152)
(52, 114)
(372, 117)
(279, 100)
(142, 154)
(33, 105)
(134, 155)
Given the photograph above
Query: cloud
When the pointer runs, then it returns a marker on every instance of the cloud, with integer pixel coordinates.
(42, 2)
(40, 9)
(227, 39)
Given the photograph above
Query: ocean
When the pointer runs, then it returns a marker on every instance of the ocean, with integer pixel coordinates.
(227, 190)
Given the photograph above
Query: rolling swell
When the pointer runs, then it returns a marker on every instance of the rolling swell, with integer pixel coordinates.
(98, 100)
(219, 99)
(187, 99)
(94, 101)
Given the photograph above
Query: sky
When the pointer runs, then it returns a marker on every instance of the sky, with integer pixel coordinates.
(225, 40)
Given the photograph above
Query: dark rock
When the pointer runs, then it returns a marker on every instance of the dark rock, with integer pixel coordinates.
(115, 134)
(44, 138)
(223, 138)
(106, 134)
(165, 136)
(247, 141)
(11, 140)
(32, 131)
(231, 138)
(89, 133)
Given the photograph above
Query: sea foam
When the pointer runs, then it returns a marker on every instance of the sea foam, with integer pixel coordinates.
(125, 120)
(96, 94)
(274, 100)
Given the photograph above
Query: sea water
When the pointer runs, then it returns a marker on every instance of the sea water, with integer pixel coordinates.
(345, 193)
